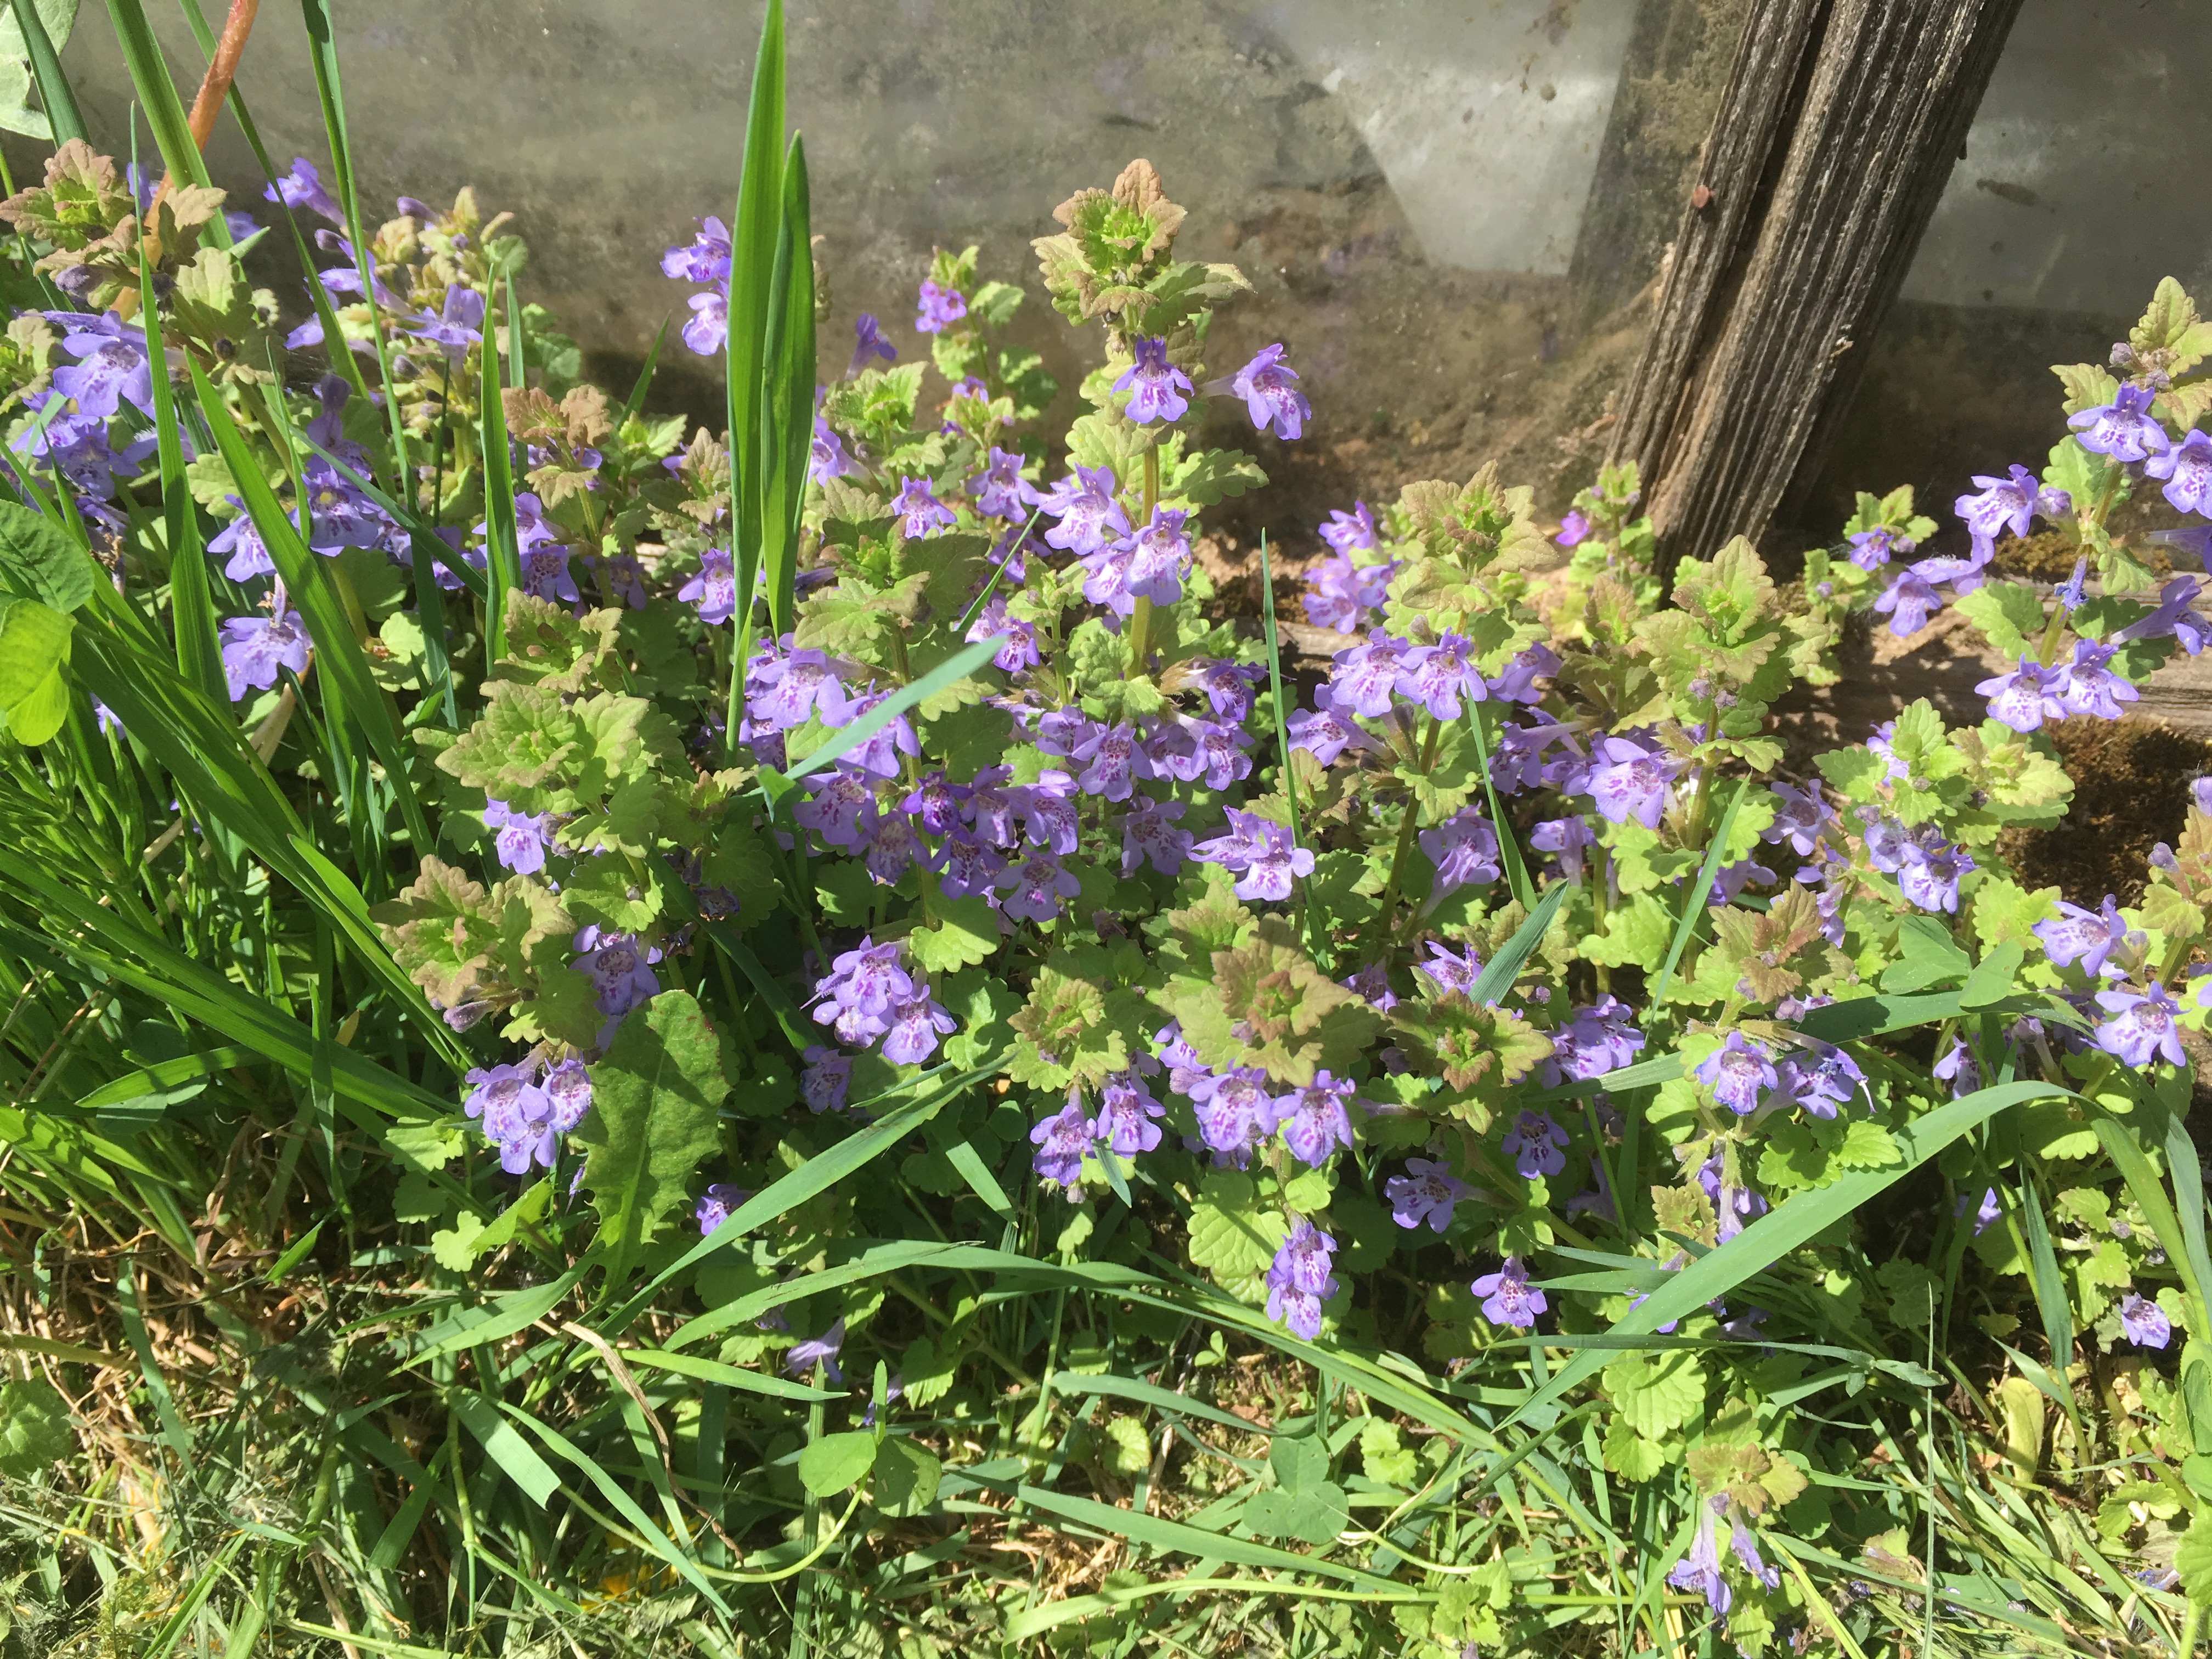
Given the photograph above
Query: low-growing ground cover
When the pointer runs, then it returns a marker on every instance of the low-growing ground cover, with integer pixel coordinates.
(629, 1040)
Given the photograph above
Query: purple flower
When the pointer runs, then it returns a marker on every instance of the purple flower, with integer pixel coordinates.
(1154, 385)
(249, 554)
(1228, 686)
(1298, 1280)
(1353, 531)
(1800, 815)
(1740, 1539)
(2142, 1028)
(1821, 1079)
(1517, 682)
(2089, 936)
(1630, 780)
(1152, 831)
(1437, 676)
(1737, 1073)
(1574, 530)
(1049, 812)
(2144, 1322)
(704, 259)
(2124, 429)
(302, 187)
(821, 1351)
(713, 587)
(1700, 1569)
(1018, 640)
(1596, 1040)
(111, 367)
(521, 841)
(1537, 1145)
(826, 458)
(1341, 595)
(1325, 730)
(1464, 850)
(1908, 602)
(2023, 699)
(1985, 1214)
(2187, 469)
(1158, 558)
(1871, 549)
(865, 986)
(1314, 1119)
(1428, 1191)
(1089, 515)
(783, 692)
(970, 867)
(1959, 1068)
(1508, 1299)
(710, 322)
(720, 1202)
(1235, 1112)
(2086, 686)
(914, 1028)
(919, 511)
(1035, 887)
(1268, 387)
(1565, 838)
(940, 307)
(2175, 614)
(999, 489)
(456, 325)
(255, 647)
(1449, 973)
(1060, 1141)
(1364, 676)
(868, 342)
(1928, 876)
(840, 807)
(621, 974)
(877, 754)
(1127, 1115)
(827, 1076)
(1262, 851)
(2004, 503)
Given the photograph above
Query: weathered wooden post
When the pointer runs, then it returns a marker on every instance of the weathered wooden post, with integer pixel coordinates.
(1832, 143)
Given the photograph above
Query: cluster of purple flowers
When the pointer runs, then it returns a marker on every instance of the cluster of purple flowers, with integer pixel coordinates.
(1927, 868)
(869, 995)
(1127, 1123)
(1299, 1280)
(1237, 1112)
(527, 1107)
(705, 259)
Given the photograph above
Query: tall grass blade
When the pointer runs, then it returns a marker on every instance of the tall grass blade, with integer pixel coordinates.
(503, 539)
(849, 737)
(337, 650)
(753, 230)
(1694, 908)
(787, 418)
(165, 111)
(191, 607)
(55, 97)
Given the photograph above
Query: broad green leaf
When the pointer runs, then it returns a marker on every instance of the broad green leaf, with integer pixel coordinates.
(34, 1427)
(41, 562)
(504, 1445)
(907, 1476)
(651, 1124)
(35, 650)
(836, 1461)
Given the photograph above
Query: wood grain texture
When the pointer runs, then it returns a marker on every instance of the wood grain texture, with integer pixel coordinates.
(1852, 116)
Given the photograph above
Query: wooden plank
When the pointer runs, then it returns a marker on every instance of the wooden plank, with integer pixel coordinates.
(1833, 144)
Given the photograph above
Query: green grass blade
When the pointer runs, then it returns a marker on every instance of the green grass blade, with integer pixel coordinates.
(1498, 973)
(323, 53)
(191, 607)
(174, 1430)
(337, 652)
(502, 540)
(2188, 1173)
(1694, 908)
(504, 1445)
(334, 347)
(1518, 878)
(165, 109)
(2051, 1298)
(848, 738)
(55, 95)
(1788, 1225)
(644, 375)
(754, 227)
(1178, 1538)
(787, 419)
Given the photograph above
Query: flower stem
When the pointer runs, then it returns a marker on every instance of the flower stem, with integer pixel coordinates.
(1141, 622)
